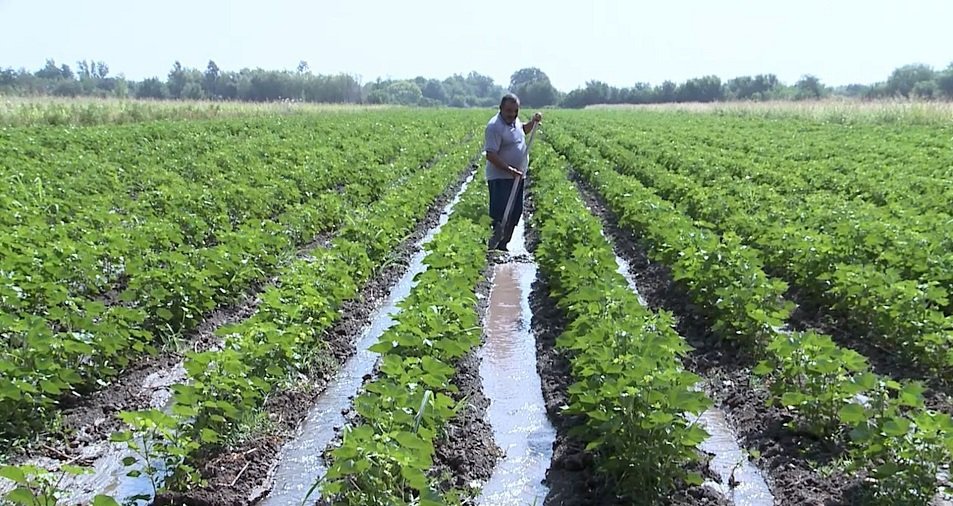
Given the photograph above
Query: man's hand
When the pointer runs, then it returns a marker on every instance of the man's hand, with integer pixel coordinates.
(528, 127)
(516, 172)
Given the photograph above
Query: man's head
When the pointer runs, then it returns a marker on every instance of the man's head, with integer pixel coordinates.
(509, 107)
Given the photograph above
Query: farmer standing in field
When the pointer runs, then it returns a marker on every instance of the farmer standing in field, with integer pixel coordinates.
(506, 156)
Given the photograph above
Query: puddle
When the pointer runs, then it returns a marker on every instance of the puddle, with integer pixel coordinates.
(740, 481)
(944, 496)
(301, 462)
(160, 383)
(109, 475)
(626, 272)
(517, 412)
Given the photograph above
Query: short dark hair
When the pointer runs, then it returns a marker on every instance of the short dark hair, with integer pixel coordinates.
(509, 97)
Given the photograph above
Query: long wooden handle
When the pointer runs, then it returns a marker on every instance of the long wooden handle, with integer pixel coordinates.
(516, 182)
(529, 145)
(509, 202)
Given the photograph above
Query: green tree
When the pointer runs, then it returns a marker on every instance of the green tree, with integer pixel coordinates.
(83, 70)
(926, 90)
(193, 91)
(526, 76)
(809, 87)
(533, 87)
(226, 86)
(759, 87)
(152, 88)
(177, 80)
(944, 82)
(483, 86)
(852, 90)
(68, 88)
(539, 94)
(8, 78)
(666, 92)
(575, 99)
(404, 93)
(904, 79)
(341, 88)
(434, 90)
(121, 88)
(210, 83)
(100, 70)
(640, 93)
(51, 71)
(700, 89)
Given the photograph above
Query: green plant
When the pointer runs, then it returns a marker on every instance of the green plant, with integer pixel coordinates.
(35, 486)
(813, 377)
(628, 381)
(387, 456)
(904, 444)
(807, 373)
(284, 337)
(161, 448)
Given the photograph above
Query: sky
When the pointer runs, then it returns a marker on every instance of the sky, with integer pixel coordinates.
(615, 41)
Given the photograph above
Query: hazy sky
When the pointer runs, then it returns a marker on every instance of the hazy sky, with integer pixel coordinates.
(619, 42)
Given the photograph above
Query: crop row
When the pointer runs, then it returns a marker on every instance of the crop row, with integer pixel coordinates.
(385, 458)
(282, 342)
(629, 383)
(900, 443)
(129, 235)
(906, 315)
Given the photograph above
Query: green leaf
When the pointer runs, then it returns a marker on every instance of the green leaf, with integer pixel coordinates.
(694, 479)
(210, 436)
(852, 414)
(793, 399)
(411, 440)
(763, 368)
(896, 427)
(121, 437)
(104, 500)
(9, 390)
(14, 474)
(415, 477)
(22, 496)
(50, 387)
(867, 380)
(912, 395)
(76, 470)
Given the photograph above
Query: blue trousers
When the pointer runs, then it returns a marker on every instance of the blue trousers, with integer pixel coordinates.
(499, 193)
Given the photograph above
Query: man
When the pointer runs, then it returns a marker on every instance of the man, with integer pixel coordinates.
(507, 157)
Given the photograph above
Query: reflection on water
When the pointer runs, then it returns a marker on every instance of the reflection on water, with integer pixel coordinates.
(508, 368)
(731, 463)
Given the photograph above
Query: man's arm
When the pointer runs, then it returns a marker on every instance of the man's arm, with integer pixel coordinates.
(528, 127)
(495, 159)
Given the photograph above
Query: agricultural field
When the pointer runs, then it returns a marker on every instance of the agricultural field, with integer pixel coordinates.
(271, 306)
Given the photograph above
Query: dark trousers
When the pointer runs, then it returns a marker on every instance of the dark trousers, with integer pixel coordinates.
(499, 193)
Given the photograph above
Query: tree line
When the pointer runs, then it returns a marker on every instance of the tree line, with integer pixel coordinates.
(532, 85)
